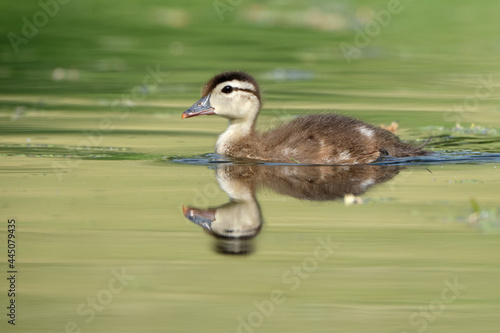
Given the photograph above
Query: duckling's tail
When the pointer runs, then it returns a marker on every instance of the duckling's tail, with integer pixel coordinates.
(401, 149)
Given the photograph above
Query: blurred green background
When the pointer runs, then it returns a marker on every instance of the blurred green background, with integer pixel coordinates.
(90, 198)
(427, 57)
(421, 66)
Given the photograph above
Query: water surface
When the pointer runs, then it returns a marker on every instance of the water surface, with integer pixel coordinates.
(127, 221)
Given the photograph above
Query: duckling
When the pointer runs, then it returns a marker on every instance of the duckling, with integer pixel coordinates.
(309, 139)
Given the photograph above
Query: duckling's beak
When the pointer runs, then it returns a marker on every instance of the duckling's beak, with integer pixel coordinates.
(202, 217)
(201, 107)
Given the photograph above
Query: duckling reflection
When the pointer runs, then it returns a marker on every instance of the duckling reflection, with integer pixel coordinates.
(236, 223)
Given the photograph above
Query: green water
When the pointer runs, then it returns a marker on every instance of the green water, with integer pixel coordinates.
(107, 184)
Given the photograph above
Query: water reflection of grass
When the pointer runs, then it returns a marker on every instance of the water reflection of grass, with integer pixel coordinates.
(55, 151)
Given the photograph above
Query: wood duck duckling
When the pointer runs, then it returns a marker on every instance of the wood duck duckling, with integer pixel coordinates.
(309, 139)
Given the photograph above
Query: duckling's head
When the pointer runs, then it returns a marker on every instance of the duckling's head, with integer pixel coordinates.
(232, 95)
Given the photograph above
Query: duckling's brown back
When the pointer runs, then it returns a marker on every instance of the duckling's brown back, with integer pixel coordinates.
(330, 139)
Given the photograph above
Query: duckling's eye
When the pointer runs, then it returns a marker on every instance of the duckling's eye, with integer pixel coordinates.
(227, 89)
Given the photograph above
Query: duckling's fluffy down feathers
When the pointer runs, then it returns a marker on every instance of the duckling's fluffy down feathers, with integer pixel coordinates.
(322, 139)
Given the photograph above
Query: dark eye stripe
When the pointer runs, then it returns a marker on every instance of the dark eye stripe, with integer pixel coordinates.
(247, 90)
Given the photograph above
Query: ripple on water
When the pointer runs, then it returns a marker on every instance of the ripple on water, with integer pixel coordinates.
(439, 157)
